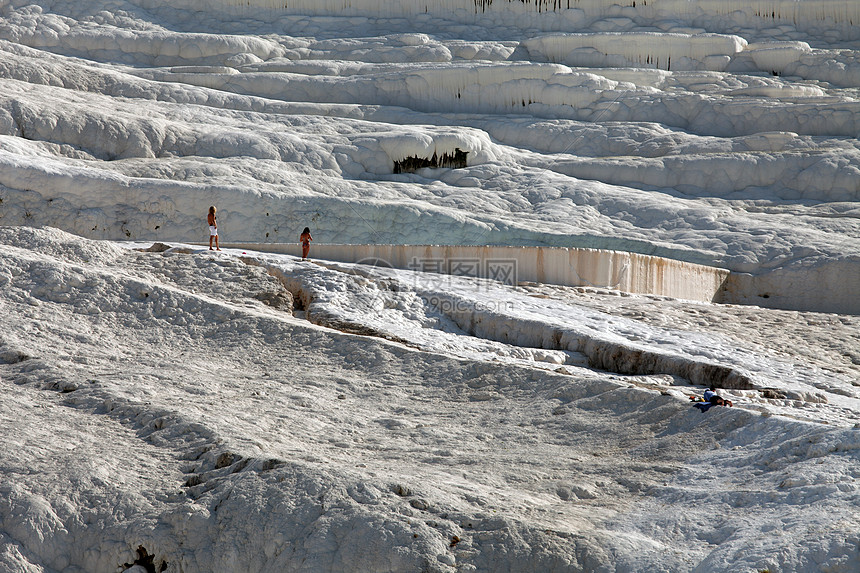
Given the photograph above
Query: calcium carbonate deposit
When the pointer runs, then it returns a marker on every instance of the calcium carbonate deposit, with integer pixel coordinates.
(170, 408)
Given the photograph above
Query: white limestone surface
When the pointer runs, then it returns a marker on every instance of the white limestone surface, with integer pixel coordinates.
(615, 270)
(180, 410)
(189, 410)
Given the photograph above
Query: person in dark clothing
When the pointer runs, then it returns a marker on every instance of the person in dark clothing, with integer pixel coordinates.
(711, 398)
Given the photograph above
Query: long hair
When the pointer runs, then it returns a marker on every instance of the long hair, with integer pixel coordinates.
(307, 230)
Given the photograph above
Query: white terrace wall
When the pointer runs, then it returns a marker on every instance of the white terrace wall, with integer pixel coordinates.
(834, 11)
(628, 272)
(831, 285)
(826, 15)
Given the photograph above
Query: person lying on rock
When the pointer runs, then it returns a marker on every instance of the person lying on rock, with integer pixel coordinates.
(710, 398)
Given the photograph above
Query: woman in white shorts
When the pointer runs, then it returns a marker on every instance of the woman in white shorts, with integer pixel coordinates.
(213, 228)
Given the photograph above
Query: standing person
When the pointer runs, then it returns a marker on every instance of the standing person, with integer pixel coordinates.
(213, 228)
(305, 239)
